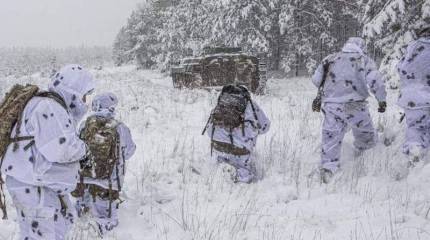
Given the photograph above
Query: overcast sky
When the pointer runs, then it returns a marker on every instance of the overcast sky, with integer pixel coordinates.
(62, 23)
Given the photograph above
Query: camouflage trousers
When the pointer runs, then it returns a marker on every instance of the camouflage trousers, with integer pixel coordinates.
(41, 214)
(245, 172)
(99, 209)
(417, 132)
(338, 120)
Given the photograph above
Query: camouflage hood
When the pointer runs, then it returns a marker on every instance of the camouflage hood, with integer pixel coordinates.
(355, 45)
(72, 82)
(104, 105)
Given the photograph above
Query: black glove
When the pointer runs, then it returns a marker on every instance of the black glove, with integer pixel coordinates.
(85, 163)
(382, 106)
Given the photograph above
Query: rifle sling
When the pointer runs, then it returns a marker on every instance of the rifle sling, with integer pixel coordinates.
(20, 139)
(326, 66)
(54, 96)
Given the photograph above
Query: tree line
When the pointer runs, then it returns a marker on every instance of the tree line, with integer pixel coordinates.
(294, 35)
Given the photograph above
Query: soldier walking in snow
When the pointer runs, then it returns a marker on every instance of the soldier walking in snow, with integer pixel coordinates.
(344, 79)
(41, 162)
(102, 174)
(234, 125)
(414, 71)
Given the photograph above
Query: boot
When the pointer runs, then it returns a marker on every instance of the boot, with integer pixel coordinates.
(415, 156)
(229, 172)
(413, 162)
(326, 175)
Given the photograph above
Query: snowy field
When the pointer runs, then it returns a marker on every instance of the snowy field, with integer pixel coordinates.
(174, 191)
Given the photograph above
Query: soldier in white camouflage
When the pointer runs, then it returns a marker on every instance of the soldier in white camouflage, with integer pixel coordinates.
(95, 197)
(235, 144)
(41, 172)
(351, 74)
(414, 71)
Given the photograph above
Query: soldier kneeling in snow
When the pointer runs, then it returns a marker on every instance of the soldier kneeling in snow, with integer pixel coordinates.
(102, 173)
(414, 71)
(233, 127)
(41, 164)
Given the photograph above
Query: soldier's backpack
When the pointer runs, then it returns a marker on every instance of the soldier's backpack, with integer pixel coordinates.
(11, 110)
(229, 114)
(102, 138)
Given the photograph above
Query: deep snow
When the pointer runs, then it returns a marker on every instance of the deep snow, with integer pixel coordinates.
(174, 190)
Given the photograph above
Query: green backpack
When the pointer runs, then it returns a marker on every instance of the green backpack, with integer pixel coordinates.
(101, 136)
(11, 110)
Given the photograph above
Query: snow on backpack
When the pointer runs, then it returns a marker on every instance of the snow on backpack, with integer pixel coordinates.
(11, 110)
(229, 114)
(102, 138)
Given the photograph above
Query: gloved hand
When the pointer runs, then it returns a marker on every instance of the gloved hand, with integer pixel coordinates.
(85, 163)
(382, 106)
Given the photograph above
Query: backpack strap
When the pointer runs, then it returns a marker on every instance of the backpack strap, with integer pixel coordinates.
(255, 112)
(212, 139)
(326, 66)
(119, 154)
(54, 96)
(20, 139)
(110, 194)
(231, 136)
(207, 124)
(2, 198)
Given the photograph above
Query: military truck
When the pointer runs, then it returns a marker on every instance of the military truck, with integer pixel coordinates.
(218, 67)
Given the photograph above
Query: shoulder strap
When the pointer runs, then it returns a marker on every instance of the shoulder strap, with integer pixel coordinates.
(326, 66)
(54, 96)
(254, 111)
(207, 123)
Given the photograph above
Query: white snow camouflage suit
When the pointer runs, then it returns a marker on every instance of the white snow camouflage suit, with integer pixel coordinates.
(39, 176)
(350, 76)
(104, 106)
(414, 71)
(244, 166)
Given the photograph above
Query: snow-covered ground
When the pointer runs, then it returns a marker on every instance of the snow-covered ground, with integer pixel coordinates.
(174, 191)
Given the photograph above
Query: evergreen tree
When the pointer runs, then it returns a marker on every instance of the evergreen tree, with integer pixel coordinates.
(392, 26)
(294, 34)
